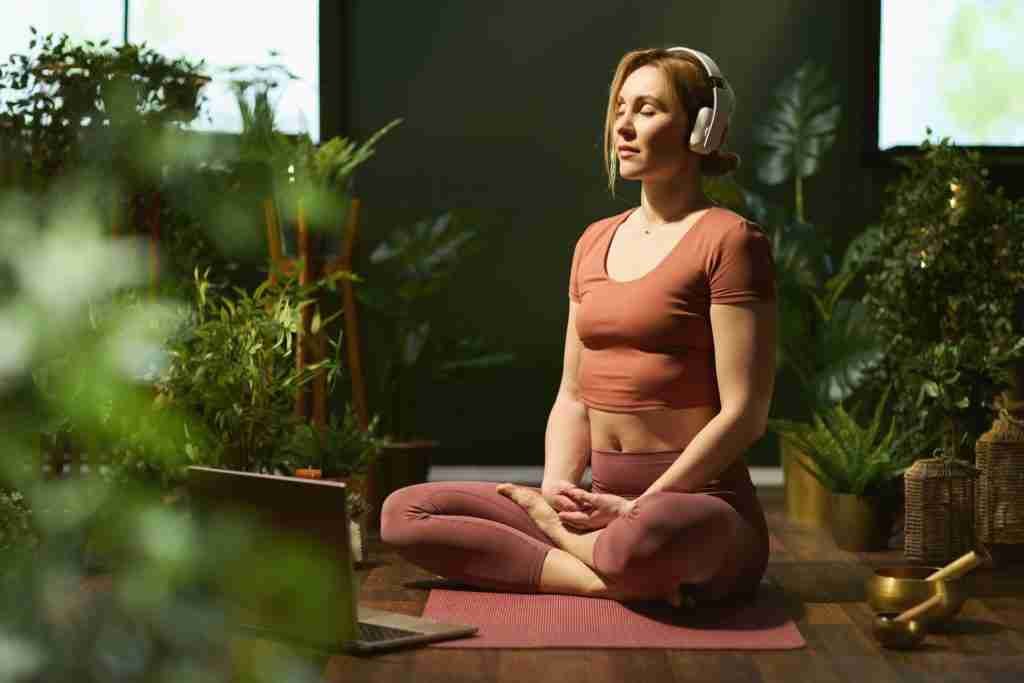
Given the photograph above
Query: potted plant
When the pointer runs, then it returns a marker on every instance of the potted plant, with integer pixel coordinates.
(87, 102)
(412, 346)
(341, 451)
(262, 148)
(943, 291)
(311, 184)
(233, 366)
(856, 466)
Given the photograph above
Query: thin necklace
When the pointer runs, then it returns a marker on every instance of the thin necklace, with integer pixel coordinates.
(647, 228)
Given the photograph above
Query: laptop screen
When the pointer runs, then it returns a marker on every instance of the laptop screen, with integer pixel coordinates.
(283, 556)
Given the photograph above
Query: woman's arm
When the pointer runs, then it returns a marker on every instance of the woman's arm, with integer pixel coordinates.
(567, 438)
(744, 338)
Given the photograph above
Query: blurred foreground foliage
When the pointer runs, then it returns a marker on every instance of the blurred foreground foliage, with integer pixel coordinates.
(137, 333)
(108, 577)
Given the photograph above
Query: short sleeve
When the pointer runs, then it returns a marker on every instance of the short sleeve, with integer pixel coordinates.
(574, 285)
(741, 266)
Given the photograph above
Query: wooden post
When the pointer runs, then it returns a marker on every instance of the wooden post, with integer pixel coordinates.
(351, 319)
(319, 411)
(301, 409)
(273, 237)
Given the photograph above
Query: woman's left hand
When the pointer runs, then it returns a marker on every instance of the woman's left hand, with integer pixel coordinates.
(598, 509)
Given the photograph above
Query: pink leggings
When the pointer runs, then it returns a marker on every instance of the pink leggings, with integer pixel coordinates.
(711, 543)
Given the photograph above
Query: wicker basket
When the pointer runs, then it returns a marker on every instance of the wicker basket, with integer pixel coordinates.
(939, 513)
(1000, 457)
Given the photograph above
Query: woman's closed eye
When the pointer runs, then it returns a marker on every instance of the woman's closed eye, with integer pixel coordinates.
(645, 112)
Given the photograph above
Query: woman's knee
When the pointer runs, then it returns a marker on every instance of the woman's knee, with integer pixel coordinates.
(399, 509)
(668, 513)
(662, 524)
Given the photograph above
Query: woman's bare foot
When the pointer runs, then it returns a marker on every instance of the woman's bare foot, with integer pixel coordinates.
(543, 515)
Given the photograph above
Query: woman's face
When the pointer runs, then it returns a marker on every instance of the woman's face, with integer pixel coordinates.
(646, 121)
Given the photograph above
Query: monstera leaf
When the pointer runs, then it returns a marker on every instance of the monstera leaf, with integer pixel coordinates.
(800, 129)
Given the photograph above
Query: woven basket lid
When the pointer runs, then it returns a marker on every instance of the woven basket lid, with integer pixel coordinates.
(940, 468)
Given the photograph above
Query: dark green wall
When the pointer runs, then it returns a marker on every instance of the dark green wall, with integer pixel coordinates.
(503, 106)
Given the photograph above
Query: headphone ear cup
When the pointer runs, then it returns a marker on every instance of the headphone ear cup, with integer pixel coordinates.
(700, 130)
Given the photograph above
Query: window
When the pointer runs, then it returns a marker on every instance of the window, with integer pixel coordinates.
(953, 65)
(95, 20)
(230, 32)
(103, 19)
(224, 33)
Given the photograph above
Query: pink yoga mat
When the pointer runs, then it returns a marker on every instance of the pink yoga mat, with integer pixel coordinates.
(523, 620)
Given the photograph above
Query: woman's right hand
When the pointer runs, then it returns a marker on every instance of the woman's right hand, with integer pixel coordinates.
(553, 493)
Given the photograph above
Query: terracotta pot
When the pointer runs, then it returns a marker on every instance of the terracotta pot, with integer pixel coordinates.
(807, 501)
(860, 523)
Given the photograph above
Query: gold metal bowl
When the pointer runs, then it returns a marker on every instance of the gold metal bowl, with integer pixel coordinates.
(899, 635)
(895, 589)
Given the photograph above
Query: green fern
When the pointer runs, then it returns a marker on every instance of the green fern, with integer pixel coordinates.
(842, 455)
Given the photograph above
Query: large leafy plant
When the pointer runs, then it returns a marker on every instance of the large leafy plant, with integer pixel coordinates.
(408, 274)
(845, 457)
(821, 336)
(798, 130)
(941, 291)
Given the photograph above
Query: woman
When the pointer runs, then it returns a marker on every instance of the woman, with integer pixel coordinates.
(668, 375)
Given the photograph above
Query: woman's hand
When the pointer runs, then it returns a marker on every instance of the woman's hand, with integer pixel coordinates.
(596, 510)
(554, 494)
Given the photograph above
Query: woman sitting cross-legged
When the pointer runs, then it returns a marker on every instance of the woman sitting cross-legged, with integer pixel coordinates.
(668, 375)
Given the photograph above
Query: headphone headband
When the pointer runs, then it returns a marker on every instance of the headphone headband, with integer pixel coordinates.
(710, 124)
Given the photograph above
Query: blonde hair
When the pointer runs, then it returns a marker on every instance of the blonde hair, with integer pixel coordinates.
(690, 91)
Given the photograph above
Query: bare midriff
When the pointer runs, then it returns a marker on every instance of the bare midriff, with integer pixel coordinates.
(649, 430)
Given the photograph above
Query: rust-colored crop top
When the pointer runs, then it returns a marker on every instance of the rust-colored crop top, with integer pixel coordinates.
(647, 342)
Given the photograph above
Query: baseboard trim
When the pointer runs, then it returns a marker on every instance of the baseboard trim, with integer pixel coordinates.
(763, 477)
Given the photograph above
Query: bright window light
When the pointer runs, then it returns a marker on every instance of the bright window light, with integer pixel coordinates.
(233, 32)
(955, 66)
(99, 20)
(95, 20)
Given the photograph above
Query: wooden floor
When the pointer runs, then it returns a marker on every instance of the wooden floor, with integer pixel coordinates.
(824, 589)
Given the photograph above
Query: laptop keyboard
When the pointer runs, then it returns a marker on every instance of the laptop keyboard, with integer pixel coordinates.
(375, 632)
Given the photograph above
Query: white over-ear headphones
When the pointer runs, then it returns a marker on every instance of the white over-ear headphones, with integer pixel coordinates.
(710, 124)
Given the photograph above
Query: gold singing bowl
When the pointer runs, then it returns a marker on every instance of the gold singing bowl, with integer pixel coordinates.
(895, 589)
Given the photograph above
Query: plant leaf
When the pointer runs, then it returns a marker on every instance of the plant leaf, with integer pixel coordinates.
(801, 127)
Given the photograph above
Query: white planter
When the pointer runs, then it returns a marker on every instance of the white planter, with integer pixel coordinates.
(357, 534)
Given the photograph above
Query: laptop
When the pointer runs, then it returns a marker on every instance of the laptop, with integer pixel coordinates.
(284, 541)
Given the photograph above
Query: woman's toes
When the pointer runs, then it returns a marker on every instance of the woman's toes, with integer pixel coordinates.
(534, 504)
(517, 493)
